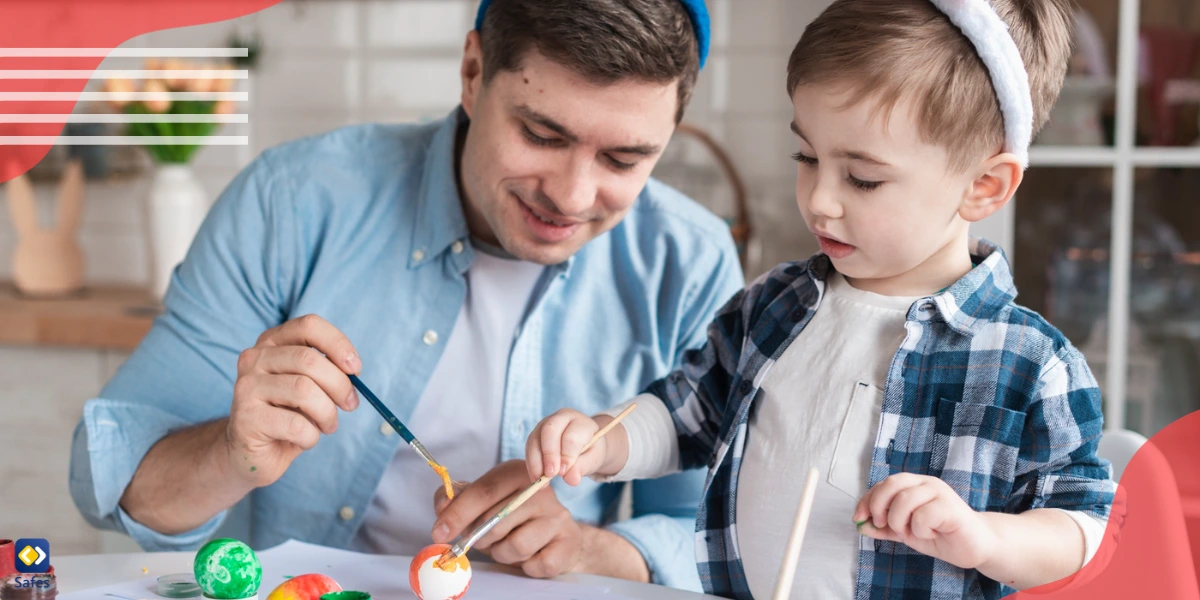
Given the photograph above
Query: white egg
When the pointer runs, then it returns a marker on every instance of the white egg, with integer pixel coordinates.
(436, 584)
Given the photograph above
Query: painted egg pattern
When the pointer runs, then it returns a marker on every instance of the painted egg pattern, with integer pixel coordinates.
(227, 568)
(432, 582)
(309, 586)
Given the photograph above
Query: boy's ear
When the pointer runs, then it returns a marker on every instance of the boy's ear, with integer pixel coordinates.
(471, 72)
(997, 179)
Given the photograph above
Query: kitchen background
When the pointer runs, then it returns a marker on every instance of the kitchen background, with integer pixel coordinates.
(328, 63)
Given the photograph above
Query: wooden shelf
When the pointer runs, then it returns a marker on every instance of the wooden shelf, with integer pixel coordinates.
(101, 317)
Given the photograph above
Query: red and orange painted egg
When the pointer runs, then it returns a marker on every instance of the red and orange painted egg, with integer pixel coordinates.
(433, 581)
(309, 586)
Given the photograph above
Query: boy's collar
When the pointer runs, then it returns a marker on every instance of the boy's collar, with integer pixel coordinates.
(974, 299)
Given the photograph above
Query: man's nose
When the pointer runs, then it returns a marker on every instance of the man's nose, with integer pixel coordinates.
(572, 190)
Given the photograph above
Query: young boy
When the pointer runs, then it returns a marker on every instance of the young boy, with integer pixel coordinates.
(956, 428)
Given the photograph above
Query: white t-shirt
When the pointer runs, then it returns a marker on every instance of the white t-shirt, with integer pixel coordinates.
(458, 415)
(819, 406)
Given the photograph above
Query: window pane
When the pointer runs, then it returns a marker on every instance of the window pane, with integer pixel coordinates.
(1060, 254)
(1083, 115)
(1164, 348)
(1169, 73)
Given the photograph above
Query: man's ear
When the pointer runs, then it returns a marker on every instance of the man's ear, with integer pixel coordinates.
(471, 72)
(996, 180)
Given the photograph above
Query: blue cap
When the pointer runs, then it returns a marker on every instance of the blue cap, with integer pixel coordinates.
(695, 9)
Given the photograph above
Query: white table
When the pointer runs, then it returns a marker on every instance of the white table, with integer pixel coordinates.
(82, 572)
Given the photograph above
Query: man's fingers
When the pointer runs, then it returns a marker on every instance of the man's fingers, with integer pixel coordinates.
(295, 392)
(301, 360)
(553, 560)
(288, 426)
(313, 331)
(531, 510)
(477, 500)
(523, 542)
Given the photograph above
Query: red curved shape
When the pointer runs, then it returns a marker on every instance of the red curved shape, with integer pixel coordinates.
(82, 24)
(1146, 551)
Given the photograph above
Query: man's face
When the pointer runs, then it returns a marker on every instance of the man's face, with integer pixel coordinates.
(551, 161)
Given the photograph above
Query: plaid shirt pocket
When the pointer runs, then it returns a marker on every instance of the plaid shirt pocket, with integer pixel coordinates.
(975, 451)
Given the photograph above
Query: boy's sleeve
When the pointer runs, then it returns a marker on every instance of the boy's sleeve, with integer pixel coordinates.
(696, 394)
(1057, 465)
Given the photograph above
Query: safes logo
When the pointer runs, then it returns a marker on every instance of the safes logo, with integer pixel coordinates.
(33, 555)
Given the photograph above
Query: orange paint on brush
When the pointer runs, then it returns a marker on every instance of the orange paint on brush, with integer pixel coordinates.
(446, 481)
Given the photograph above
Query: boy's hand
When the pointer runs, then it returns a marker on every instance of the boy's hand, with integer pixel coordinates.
(555, 444)
(925, 514)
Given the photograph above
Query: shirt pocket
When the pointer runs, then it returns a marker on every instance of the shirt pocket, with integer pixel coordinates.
(851, 462)
(975, 450)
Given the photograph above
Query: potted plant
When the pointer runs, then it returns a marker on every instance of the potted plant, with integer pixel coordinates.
(177, 202)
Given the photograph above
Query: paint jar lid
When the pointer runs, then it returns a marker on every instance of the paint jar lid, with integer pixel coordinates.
(178, 585)
(346, 595)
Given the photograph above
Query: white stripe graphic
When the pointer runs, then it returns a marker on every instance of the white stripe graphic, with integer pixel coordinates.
(124, 140)
(119, 96)
(124, 74)
(124, 52)
(122, 118)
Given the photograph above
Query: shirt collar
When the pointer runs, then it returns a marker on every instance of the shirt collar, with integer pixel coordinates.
(973, 300)
(440, 220)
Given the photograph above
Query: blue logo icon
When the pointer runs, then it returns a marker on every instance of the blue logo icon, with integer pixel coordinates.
(32, 555)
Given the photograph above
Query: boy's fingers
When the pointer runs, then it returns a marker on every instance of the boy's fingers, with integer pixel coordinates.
(533, 454)
(903, 505)
(926, 520)
(552, 432)
(574, 438)
(881, 500)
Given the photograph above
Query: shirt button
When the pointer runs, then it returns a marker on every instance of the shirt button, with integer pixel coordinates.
(346, 513)
(418, 255)
(456, 247)
(430, 337)
(386, 429)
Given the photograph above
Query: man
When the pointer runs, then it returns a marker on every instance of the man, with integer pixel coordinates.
(478, 273)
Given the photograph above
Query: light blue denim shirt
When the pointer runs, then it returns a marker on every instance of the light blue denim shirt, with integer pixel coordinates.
(360, 227)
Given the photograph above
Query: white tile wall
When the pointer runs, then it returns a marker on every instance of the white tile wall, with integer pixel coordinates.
(332, 62)
(414, 83)
(417, 24)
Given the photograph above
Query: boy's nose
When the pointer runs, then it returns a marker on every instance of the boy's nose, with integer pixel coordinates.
(823, 201)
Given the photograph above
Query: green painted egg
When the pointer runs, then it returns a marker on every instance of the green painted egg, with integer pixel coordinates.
(227, 569)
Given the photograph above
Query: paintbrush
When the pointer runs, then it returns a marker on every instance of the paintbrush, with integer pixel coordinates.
(461, 545)
(791, 554)
(406, 434)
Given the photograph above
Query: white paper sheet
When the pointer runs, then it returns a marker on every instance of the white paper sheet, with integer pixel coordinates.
(384, 577)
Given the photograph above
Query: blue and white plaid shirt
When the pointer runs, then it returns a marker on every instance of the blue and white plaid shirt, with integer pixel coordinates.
(982, 393)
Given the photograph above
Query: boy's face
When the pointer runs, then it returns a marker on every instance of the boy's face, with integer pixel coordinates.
(882, 202)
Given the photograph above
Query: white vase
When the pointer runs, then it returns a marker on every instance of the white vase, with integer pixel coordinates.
(174, 210)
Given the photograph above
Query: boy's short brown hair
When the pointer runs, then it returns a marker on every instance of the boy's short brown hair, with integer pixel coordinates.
(887, 50)
(604, 41)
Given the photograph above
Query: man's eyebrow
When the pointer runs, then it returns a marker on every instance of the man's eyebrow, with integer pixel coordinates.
(547, 122)
(533, 115)
(850, 154)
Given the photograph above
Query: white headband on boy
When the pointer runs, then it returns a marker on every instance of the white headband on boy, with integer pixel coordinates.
(989, 34)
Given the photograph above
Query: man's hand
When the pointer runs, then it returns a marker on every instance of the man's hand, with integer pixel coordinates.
(925, 514)
(289, 388)
(541, 536)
